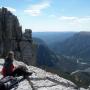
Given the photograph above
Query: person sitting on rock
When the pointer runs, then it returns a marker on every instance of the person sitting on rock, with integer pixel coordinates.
(13, 68)
(8, 66)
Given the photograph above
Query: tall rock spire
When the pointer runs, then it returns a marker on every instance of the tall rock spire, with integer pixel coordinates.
(11, 37)
(10, 31)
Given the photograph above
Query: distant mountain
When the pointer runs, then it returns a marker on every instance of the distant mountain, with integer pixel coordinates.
(78, 46)
(44, 55)
(60, 64)
(38, 41)
(52, 37)
(47, 58)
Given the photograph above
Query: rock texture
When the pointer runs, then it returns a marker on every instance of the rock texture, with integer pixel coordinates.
(28, 48)
(42, 80)
(12, 38)
(10, 32)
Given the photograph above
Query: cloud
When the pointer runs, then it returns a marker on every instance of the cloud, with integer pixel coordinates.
(78, 23)
(67, 18)
(36, 9)
(80, 19)
(11, 9)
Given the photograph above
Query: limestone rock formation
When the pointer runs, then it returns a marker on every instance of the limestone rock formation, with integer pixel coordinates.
(11, 37)
(27, 48)
(10, 31)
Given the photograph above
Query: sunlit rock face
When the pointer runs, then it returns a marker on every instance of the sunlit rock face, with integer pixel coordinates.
(42, 80)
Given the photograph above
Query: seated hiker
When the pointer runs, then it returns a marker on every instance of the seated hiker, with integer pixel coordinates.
(8, 66)
(11, 68)
(9, 82)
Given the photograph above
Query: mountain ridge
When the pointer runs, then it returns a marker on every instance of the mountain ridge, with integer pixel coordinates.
(78, 45)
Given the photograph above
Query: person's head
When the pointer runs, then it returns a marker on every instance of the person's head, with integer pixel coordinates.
(11, 55)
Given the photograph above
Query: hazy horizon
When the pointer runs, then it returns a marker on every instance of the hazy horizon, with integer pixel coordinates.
(57, 31)
(51, 15)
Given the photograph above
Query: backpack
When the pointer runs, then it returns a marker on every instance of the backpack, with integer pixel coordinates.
(5, 82)
(2, 86)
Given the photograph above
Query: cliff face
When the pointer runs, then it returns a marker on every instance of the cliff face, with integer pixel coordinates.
(10, 32)
(11, 37)
(28, 48)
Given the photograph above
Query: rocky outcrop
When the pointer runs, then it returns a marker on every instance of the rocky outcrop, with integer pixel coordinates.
(42, 80)
(28, 48)
(10, 32)
(11, 37)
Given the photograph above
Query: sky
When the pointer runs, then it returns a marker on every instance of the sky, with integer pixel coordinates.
(51, 15)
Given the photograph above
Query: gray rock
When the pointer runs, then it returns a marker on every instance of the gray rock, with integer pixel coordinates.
(11, 37)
